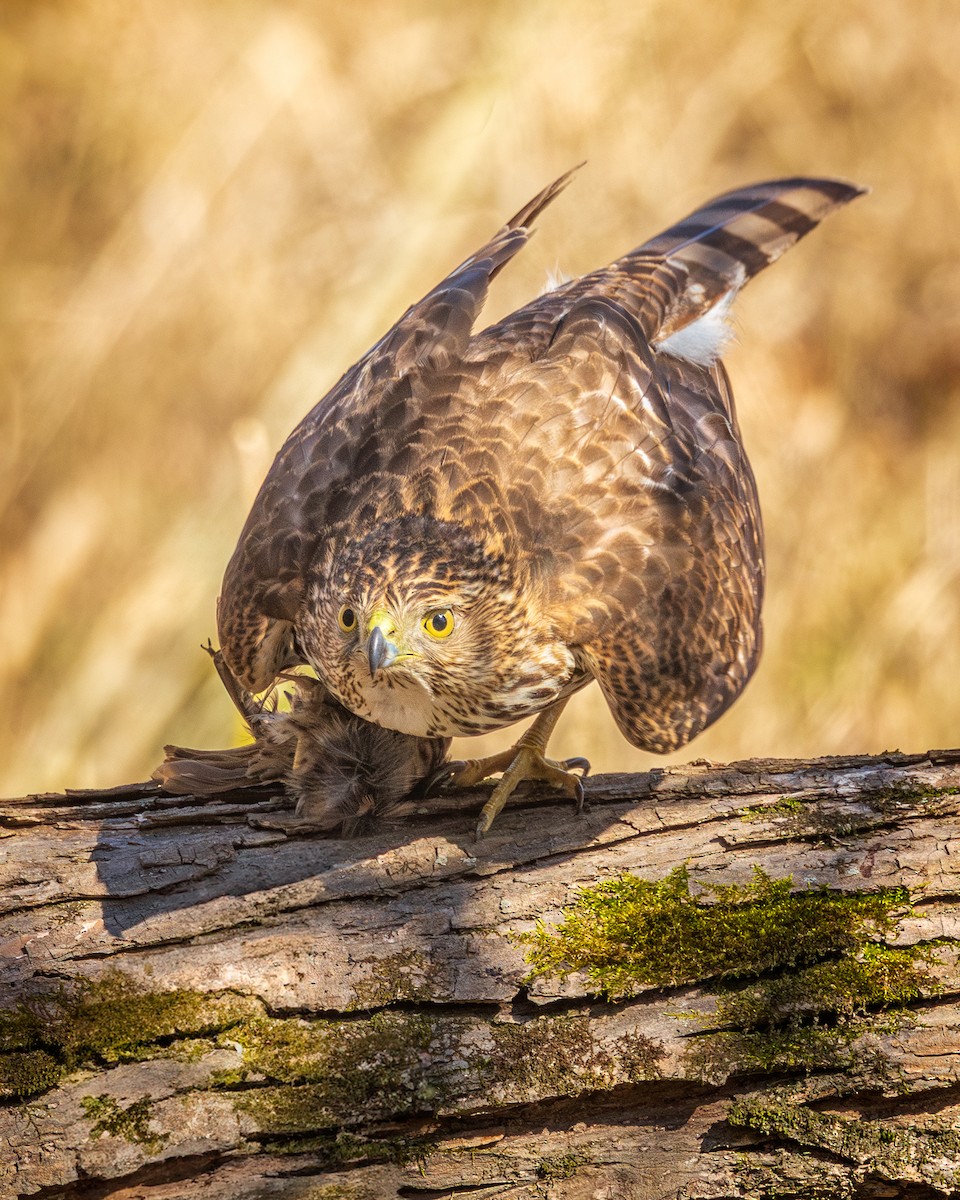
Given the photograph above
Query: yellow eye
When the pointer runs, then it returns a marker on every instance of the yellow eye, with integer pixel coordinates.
(439, 624)
(347, 619)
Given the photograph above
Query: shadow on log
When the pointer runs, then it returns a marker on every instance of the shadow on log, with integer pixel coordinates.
(719, 981)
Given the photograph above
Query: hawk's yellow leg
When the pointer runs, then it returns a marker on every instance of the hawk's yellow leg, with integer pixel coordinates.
(526, 760)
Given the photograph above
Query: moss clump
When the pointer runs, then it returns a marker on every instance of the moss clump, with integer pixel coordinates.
(816, 1018)
(343, 1149)
(786, 806)
(557, 1056)
(27, 1073)
(628, 932)
(131, 1123)
(291, 1050)
(115, 1020)
(847, 1045)
(880, 977)
(551, 1056)
(228, 1078)
(111, 1020)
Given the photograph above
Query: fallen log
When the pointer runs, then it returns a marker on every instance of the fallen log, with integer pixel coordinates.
(716, 981)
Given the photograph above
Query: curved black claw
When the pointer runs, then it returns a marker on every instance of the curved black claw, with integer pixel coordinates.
(583, 766)
(443, 774)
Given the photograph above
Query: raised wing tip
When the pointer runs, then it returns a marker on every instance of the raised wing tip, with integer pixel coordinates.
(530, 211)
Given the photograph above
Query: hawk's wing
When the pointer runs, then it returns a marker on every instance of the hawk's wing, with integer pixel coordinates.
(662, 545)
(646, 503)
(330, 458)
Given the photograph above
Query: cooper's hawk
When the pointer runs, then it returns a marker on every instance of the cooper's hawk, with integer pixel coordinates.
(471, 526)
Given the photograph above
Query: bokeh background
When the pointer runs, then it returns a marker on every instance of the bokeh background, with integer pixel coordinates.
(209, 211)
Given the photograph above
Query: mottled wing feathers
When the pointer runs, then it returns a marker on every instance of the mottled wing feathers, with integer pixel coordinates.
(664, 544)
(665, 559)
(618, 407)
(662, 576)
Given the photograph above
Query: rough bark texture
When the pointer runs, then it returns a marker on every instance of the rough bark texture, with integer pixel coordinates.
(196, 1005)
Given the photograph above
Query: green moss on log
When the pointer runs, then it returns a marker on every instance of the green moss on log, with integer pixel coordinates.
(816, 1018)
(340, 1070)
(786, 806)
(629, 933)
(28, 1073)
(131, 1123)
(406, 975)
(108, 1021)
(911, 1154)
(558, 1056)
(341, 1073)
(563, 1166)
(800, 977)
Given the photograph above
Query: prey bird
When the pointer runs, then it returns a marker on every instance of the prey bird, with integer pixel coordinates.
(345, 774)
(471, 526)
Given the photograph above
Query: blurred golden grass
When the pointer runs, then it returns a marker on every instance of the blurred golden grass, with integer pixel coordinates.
(209, 211)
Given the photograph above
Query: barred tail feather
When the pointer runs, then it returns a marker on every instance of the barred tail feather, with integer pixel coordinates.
(718, 248)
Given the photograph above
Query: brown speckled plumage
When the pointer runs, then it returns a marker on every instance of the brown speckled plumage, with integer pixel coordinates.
(569, 485)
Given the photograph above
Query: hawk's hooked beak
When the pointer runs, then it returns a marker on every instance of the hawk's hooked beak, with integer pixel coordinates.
(381, 652)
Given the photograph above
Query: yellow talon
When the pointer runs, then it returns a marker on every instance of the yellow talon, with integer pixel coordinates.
(524, 761)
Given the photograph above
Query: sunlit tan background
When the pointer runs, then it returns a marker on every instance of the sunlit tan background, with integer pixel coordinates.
(209, 211)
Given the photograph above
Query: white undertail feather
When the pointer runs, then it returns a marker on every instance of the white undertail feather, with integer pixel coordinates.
(555, 278)
(704, 340)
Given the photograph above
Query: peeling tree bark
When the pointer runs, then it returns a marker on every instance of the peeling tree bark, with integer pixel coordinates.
(194, 1004)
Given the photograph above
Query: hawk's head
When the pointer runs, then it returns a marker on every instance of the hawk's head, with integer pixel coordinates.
(419, 627)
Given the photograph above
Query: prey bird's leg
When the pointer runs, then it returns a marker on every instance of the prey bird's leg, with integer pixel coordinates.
(526, 760)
